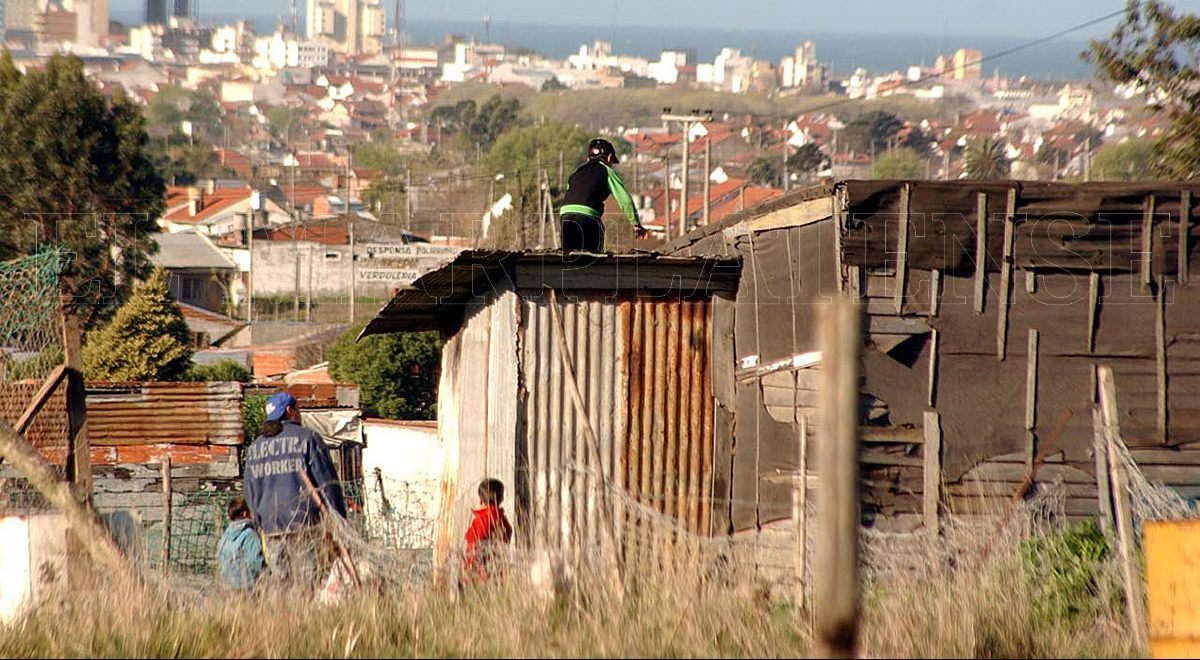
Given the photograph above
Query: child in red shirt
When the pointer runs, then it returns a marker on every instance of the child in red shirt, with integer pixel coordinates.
(488, 531)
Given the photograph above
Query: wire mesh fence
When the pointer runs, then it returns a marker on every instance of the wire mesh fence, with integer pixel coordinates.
(30, 350)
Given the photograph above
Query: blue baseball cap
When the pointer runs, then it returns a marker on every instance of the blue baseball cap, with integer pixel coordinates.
(277, 405)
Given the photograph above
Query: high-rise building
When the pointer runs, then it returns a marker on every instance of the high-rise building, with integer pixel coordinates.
(156, 12)
(347, 26)
(183, 9)
(19, 14)
(968, 64)
(91, 21)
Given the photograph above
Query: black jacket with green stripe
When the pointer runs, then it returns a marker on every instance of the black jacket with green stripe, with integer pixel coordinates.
(590, 185)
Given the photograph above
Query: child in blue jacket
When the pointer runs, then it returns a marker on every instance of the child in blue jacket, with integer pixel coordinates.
(239, 554)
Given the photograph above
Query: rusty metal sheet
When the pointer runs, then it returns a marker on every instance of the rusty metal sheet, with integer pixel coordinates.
(121, 414)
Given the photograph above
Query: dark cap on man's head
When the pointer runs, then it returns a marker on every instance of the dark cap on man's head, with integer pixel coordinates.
(599, 148)
(277, 405)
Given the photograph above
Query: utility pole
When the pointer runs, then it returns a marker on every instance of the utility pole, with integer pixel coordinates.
(520, 212)
(250, 267)
(561, 162)
(707, 176)
(687, 121)
(350, 225)
(786, 178)
(295, 246)
(541, 198)
(408, 200)
(543, 195)
(667, 192)
(683, 188)
(1087, 160)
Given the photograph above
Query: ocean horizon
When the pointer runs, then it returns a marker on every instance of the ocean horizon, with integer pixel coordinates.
(845, 52)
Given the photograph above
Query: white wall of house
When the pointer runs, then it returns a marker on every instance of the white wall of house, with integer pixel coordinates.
(409, 459)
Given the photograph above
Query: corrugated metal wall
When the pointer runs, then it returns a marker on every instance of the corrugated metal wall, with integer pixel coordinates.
(643, 369)
(667, 460)
(564, 474)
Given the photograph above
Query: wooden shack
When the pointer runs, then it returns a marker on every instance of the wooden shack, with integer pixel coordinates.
(989, 304)
(637, 407)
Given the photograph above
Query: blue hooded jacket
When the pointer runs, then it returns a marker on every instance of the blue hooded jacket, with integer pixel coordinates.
(239, 555)
(278, 498)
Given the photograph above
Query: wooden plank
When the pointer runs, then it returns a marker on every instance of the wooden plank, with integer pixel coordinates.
(166, 524)
(837, 592)
(800, 514)
(931, 393)
(1031, 379)
(932, 473)
(724, 398)
(1093, 309)
(40, 398)
(935, 291)
(866, 457)
(1160, 356)
(797, 361)
(839, 237)
(1100, 454)
(895, 325)
(1134, 602)
(1146, 264)
(890, 434)
(1006, 275)
(902, 248)
(855, 279)
(1185, 230)
(981, 254)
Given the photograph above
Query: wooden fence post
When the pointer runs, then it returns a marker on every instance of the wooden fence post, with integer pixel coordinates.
(1135, 606)
(932, 473)
(166, 539)
(836, 568)
(800, 514)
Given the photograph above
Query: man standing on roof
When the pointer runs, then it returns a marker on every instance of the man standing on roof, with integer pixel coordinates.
(287, 468)
(583, 203)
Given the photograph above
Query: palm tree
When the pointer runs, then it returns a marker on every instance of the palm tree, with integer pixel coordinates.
(986, 160)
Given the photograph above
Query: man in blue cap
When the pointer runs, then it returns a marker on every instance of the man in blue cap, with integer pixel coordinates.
(280, 466)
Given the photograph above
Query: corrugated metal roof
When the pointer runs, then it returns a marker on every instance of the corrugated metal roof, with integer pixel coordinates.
(188, 250)
(435, 300)
(164, 413)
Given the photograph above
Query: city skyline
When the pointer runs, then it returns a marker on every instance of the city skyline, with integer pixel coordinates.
(958, 17)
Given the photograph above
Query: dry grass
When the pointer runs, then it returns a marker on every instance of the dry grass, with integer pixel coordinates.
(1008, 600)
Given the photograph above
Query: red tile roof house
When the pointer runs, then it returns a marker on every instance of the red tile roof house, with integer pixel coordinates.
(219, 211)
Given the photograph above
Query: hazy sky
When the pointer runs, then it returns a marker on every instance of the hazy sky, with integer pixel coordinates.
(971, 17)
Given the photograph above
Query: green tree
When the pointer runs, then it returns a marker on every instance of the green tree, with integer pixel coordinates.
(220, 371)
(806, 160)
(477, 127)
(763, 171)
(75, 171)
(173, 105)
(898, 164)
(382, 156)
(282, 119)
(183, 163)
(986, 160)
(1132, 160)
(397, 374)
(876, 130)
(518, 150)
(1153, 51)
(147, 339)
